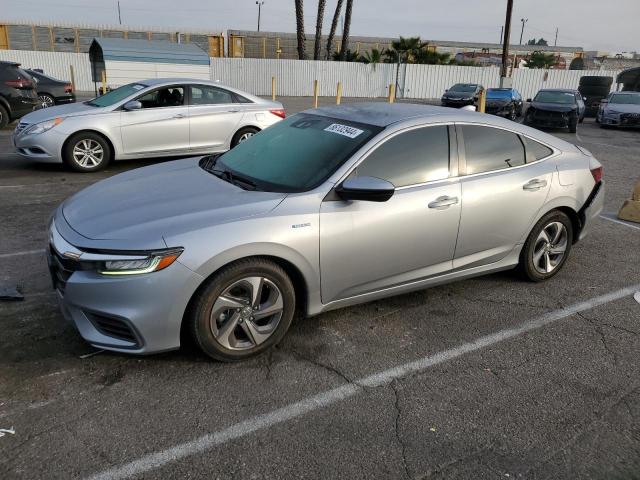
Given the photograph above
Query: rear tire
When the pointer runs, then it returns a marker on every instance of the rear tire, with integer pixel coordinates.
(46, 100)
(4, 117)
(242, 310)
(86, 152)
(243, 134)
(547, 247)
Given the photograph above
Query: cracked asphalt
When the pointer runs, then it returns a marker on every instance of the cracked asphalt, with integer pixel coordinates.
(561, 401)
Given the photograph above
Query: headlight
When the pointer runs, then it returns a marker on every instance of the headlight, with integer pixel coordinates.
(43, 126)
(153, 263)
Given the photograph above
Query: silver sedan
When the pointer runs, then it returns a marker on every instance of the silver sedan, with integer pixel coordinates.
(328, 208)
(151, 118)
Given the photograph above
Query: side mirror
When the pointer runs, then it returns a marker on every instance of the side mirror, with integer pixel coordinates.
(132, 105)
(369, 189)
(528, 100)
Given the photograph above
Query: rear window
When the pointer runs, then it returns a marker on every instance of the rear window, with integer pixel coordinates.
(535, 150)
(488, 149)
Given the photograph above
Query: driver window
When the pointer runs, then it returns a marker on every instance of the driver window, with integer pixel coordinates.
(163, 97)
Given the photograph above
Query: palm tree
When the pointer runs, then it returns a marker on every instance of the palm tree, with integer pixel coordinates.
(408, 48)
(300, 29)
(345, 33)
(319, 20)
(347, 56)
(334, 26)
(431, 57)
(374, 56)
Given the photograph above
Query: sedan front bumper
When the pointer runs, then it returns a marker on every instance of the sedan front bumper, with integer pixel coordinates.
(44, 147)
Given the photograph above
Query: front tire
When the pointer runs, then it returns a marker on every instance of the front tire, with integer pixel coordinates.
(547, 247)
(86, 152)
(573, 125)
(242, 310)
(243, 134)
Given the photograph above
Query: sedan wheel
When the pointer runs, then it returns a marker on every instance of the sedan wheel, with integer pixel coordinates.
(46, 101)
(243, 135)
(242, 310)
(547, 247)
(86, 152)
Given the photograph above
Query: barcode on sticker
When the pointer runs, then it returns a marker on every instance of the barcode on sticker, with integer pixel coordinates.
(345, 130)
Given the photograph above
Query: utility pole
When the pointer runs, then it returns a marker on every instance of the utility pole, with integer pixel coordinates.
(523, 20)
(555, 42)
(119, 16)
(259, 3)
(505, 42)
(501, 33)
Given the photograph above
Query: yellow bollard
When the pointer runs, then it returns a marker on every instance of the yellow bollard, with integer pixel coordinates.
(104, 82)
(315, 94)
(482, 100)
(392, 93)
(630, 210)
(339, 93)
(273, 88)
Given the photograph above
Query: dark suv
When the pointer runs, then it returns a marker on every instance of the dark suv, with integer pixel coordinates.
(17, 93)
(556, 108)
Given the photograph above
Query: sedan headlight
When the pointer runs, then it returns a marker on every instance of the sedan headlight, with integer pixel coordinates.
(43, 126)
(152, 263)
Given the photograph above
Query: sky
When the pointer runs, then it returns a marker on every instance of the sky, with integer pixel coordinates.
(592, 24)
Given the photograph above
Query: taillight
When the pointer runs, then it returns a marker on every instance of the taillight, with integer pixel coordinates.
(597, 174)
(20, 83)
(279, 112)
(68, 88)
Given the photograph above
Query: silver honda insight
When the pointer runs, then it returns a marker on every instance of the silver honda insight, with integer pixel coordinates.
(147, 119)
(328, 208)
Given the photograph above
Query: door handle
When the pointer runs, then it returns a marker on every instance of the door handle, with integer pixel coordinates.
(179, 115)
(535, 184)
(233, 111)
(443, 202)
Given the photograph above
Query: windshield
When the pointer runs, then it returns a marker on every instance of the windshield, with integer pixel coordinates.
(463, 87)
(499, 93)
(625, 99)
(565, 98)
(114, 96)
(296, 154)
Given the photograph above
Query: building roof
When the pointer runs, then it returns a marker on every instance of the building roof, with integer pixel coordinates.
(126, 50)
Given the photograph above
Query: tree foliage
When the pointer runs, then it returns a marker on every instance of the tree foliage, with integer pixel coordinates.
(541, 41)
(541, 60)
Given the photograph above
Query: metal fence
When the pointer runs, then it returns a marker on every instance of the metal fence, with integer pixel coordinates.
(295, 77)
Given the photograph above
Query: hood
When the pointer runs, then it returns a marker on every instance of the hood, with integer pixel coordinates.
(498, 101)
(553, 107)
(622, 108)
(148, 204)
(70, 109)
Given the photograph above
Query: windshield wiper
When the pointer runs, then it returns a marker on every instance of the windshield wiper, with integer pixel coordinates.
(226, 174)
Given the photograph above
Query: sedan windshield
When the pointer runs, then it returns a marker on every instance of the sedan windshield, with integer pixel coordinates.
(565, 98)
(114, 96)
(296, 154)
(499, 93)
(463, 88)
(625, 99)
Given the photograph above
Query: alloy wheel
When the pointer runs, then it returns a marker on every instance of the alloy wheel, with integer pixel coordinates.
(550, 247)
(246, 313)
(45, 101)
(245, 136)
(88, 153)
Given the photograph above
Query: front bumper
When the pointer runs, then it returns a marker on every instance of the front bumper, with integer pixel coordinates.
(138, 314)
(44, 147)
(591, 209)
(548, 121)
(447, 102)
(630, 121)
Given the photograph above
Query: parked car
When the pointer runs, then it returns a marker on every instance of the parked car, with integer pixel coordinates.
(17, 93)
(594, 88)
(556, 108)
(505, 102)
(620, 109)
(328, 208)
(461, 94)
(52, 91)
(151, 118)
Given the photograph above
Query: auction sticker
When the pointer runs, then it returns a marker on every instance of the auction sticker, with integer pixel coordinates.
(345, 130)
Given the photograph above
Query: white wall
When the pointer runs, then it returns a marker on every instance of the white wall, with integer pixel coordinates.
(120, 73)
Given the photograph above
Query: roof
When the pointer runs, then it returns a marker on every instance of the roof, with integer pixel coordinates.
(125, 50)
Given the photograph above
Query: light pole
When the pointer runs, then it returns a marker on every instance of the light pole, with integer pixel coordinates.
(259, 3)
(523, 20)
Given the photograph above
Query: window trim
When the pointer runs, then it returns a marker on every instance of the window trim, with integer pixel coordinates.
(462, 152)
(140, 95)
(453, 154)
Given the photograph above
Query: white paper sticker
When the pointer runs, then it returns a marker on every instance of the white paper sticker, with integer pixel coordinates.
(138, 87)
(345, 130)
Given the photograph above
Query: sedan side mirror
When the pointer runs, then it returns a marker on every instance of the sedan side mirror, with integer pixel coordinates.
(370, 189)
(132, 105)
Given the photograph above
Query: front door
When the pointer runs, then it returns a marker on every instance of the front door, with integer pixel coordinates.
(160, 126)
(369, 246)
(213, 118)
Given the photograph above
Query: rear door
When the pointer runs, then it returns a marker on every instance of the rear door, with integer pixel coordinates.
(160, 126)
(502, 193)
(214, 115)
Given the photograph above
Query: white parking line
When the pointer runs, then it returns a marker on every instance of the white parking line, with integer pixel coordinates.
(330, 397)
(612, 218)
(17, 254)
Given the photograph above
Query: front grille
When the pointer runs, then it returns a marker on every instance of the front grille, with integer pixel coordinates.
(113, 327)
(61, 269)
(21, 126)
(630, 119)
(544, 115)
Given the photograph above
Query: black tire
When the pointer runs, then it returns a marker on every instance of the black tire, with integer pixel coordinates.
(594, 91)
(527, 266)
(91, 139)
(243, 134)
(513, 114)
(596, 81)
(4, 117)
(46, 100)
(573, 125)
(201, 309)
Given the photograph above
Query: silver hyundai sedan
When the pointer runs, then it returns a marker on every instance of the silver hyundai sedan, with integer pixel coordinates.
(151, 118)
(328, 208)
